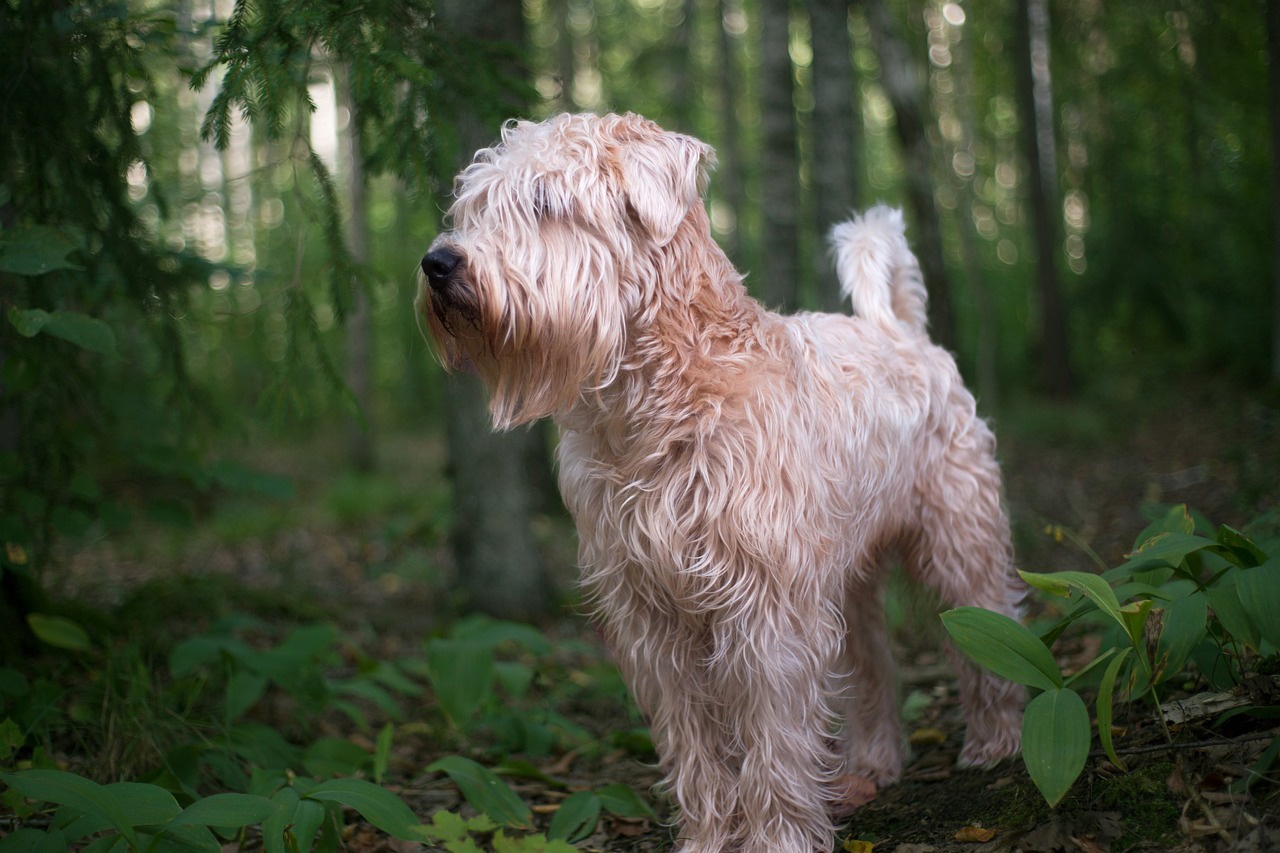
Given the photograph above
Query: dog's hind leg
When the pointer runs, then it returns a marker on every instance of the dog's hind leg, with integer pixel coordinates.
(868, 702)
(964, 552)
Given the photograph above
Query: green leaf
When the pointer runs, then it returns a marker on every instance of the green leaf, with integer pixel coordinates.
(576, 818)
(1230, 611)
(59, 632)
(244, 689)
(1248, 553)
(1003, 646)
(1169, 548)
(375, 804)
(1185, 622)
(1106, 691)
(28, 840)
(224, 810)
(382, 752)
(485, 791)
(495, 632)
(622, 800)
(1055, 741)
(80, 329)
(1259, 593)
(462, 674)
(116, 807)
(36, 250)
(1095, 588)
(333, 756)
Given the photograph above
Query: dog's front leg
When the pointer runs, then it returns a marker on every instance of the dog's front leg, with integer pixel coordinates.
(769, 671)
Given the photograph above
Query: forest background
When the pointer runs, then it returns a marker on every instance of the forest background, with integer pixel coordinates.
(212, 214)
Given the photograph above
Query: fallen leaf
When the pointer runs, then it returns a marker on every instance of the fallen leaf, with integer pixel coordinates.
(857, 845)
(927, 736)
(975, 834)
(852, 791)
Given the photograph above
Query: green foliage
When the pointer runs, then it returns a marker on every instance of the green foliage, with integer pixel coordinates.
(1213, 599)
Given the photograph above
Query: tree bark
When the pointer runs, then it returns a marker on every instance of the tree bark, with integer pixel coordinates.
(1035, 108)
(1273, 77)
(903, 80)
(836, 137)
(730, 173)
(500, 568)
(780, 180)
(359, 326)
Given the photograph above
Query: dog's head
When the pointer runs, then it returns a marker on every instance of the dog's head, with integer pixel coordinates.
(552, 233)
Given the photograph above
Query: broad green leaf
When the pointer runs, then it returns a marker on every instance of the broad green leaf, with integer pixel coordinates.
(1133, 618)
(1169, 548)
(576, 818)
(1003, 646)
(1106, 709)
(514, 677)
(529, 844)
(28, 840)
(280, 822)
(59, 632)
(382, 752)
(36, 250)
(1259, 593)
(485, 791)
(82, 330)
(1055, 741)
(1176, 520)
(462, 674)
(224, 810)
(494, 632)
(83, 795)
(375, 804)
(1230, 611)
(244, 689)
(622, 800)
(1249, 554)
(1184, 625)
(334, 756)
(1095, 588)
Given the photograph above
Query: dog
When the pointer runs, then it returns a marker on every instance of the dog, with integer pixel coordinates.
(740, 480)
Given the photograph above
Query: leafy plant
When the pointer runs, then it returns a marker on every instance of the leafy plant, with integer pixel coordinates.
(1178, 597)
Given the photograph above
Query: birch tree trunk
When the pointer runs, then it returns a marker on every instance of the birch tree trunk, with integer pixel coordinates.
(359, 326)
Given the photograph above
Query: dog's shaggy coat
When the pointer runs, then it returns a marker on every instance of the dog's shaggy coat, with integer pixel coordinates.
(739, 479)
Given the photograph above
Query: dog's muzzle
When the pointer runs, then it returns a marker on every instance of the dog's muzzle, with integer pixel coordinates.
(439, 265)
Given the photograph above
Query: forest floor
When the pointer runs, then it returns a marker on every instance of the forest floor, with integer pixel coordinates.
(372, 560)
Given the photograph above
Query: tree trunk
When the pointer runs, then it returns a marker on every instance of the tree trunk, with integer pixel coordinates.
(1273, 76)
(1035, 109)
(903, 80)
(731, 181)
(836, 137)
(499, 565)
(359, 326)
(780, 180)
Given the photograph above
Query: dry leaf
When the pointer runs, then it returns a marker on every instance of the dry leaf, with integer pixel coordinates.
(975, 834)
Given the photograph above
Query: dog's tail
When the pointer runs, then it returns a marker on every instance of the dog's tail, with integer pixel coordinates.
(878, 271)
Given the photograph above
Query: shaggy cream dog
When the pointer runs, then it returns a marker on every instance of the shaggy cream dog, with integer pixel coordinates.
(739, 479)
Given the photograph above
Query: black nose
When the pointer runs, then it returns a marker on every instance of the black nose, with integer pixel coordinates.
(439, 264)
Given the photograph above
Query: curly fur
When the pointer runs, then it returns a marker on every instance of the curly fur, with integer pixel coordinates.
(739, 479)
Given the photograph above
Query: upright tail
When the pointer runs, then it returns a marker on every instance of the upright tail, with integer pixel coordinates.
(878, 271)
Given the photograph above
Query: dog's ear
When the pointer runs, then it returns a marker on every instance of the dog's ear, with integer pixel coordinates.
(663, 176)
